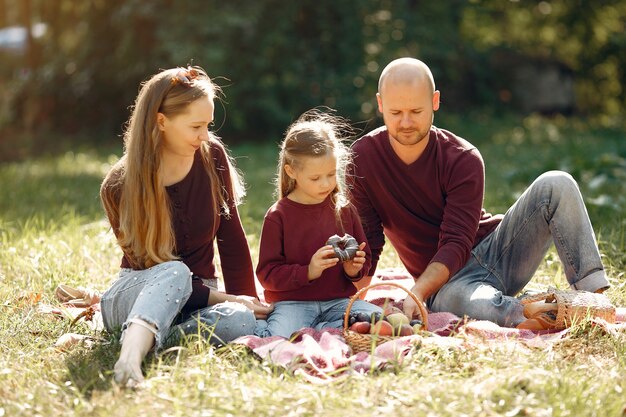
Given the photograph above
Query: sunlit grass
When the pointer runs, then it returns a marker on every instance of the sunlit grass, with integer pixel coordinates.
(52, 230)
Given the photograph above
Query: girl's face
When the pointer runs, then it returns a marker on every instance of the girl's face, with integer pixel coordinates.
(184, 133)
(315, 177)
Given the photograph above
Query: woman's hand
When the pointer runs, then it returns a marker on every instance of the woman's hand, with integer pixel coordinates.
(321, 260)
(260, 310)
(353, 267)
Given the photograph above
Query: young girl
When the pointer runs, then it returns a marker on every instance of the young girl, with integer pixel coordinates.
(172, 194)
(308, 285)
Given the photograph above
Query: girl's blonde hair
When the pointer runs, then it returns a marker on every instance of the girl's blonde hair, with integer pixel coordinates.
(133, 194)
(315, 134)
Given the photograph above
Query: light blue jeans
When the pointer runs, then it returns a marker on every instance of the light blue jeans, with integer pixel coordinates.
(157, 296)
(550, 210)
(289, 316)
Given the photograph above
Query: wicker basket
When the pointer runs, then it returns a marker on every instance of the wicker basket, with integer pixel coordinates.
(573, 306)
(366, 342)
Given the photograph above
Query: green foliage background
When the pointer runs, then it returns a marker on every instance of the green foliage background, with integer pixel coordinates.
(279, 58)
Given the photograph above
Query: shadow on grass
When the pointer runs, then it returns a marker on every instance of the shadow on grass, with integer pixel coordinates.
(91, 369)
(52, 199)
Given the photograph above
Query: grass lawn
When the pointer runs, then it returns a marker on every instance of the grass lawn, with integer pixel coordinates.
(52, 230)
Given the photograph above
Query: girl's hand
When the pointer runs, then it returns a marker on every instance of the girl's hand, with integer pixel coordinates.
(321, 260)
(353, 267)
(260, 310)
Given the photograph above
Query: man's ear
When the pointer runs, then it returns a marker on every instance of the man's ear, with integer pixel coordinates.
(161, 121)
(380, 102)
(436, 97)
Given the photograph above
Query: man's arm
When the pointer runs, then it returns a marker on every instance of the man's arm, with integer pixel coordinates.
(371, 225)
(369, 218)
(464, 193)
(432, 279)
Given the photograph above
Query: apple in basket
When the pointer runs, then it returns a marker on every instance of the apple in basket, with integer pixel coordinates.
(405, 330)
(400, 323)
(382, 328)
(397, 319)
(362, 327)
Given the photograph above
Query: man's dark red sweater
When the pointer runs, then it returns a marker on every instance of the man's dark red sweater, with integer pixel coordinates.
(430, 210)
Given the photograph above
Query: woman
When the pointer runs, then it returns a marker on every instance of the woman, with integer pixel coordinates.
(173, 193)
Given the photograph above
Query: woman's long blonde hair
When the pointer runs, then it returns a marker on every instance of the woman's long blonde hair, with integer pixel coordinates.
(133, 194)
(314, 134)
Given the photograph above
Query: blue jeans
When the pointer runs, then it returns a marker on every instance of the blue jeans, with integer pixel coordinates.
(157, 296)
(500, 266)
(289, 316)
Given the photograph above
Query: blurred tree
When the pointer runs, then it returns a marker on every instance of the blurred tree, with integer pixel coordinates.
(586, 39)
(275, 59)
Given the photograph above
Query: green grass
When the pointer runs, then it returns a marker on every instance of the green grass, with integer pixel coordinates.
(52, 230)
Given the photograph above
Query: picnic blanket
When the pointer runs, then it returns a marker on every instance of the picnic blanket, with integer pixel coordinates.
(324, 356)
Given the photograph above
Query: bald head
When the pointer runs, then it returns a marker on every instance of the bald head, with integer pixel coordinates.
(406, 71)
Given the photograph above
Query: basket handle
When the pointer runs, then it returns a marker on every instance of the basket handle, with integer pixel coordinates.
(420, 305)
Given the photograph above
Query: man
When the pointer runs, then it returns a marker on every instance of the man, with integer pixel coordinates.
(423, 187)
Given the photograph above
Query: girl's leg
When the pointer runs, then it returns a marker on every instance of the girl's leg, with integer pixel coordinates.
(334, 310)
(149, 300)
(287, 317)
(220, 324)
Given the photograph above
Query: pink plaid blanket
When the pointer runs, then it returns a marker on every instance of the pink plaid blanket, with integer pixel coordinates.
(323, 356)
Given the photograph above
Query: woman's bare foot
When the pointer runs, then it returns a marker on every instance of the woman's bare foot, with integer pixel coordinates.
(137, 341)
(128, 374)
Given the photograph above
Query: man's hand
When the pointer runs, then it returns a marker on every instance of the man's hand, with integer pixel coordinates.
(410, 308)
(427, 284)
(321, 260)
